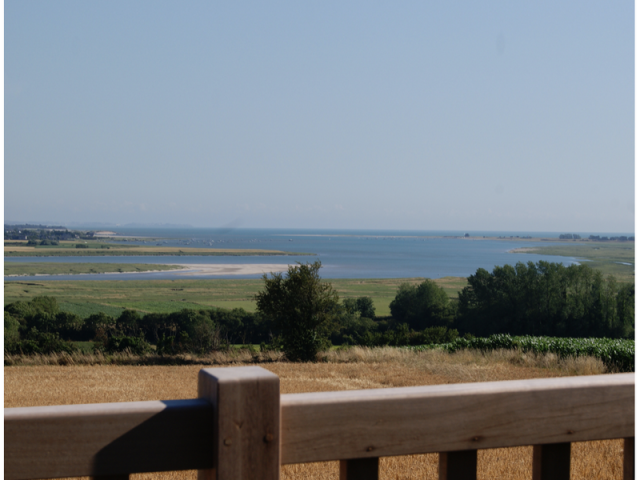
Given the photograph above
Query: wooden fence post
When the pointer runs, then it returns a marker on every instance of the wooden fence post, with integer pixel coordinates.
(246, 422)
(629, 464)
(461, 465)
(359, 469)
(552, 461)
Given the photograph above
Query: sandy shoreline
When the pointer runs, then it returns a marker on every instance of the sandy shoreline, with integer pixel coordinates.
(228, 269)
(187, 269)
(524, 250)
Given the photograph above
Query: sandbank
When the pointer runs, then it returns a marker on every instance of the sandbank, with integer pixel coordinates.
(228, 269)
(188, 269)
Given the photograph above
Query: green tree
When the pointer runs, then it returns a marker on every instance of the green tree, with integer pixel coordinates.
(625, 310)
(350, 306)
(302, 308)
(128, 322)
(11, 332)
(421, 306)
(545, 299)
(365, 307)
(97, 322)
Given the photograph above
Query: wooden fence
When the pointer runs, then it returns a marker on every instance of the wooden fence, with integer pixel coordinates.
(241, 428)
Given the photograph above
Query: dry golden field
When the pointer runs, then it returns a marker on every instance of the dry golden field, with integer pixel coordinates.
(357, 368)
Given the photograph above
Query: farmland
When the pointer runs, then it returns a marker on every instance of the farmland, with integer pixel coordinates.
(343, 370)
(617, 354)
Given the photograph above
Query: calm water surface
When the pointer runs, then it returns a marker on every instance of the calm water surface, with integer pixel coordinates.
(344, 254)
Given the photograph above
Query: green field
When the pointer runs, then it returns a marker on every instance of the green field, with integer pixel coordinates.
(608, 258)
(112, 296)
(95, 248)
(79, 268)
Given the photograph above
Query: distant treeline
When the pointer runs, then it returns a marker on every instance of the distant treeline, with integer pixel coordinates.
(597, 238)
(542, 299)
(38, 235)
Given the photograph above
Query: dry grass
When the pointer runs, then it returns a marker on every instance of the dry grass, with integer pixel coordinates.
(231, 357)
(464, 365)
(356, 368)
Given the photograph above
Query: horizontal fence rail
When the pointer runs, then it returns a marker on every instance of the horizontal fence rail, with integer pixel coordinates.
(443, 418)
(241, 427)
(107, 439)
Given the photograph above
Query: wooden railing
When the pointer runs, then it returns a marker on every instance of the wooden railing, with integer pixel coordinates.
(242, 428)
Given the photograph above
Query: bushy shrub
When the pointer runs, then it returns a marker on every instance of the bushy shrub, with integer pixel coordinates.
(435, 335)
(134, 345)
(35, 342)
(24, 309)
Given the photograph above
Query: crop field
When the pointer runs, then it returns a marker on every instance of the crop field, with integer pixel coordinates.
(617, 259)
(344, 370)
(616, 354)
(112, 296)
(32, 269)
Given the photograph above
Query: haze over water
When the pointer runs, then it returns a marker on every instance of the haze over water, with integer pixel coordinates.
(343, 253)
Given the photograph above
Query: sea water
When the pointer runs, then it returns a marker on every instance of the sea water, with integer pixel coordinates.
(343, 253)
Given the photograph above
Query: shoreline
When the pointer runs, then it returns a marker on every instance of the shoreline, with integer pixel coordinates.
(229, 269)
(187, 270)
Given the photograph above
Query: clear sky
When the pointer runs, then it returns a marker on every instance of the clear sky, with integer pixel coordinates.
(492, 115)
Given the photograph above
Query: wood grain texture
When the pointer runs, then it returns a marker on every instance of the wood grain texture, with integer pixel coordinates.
(107, 439)
(629, 459)
(111, 477)
(552, 461)
(360, 469)
(442, 418)
(246, 422)
(458, 465)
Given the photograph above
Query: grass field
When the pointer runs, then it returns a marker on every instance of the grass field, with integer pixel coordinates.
(97, 248)
(80, 268)
(345, 370)
(85, 297)
(609, 258)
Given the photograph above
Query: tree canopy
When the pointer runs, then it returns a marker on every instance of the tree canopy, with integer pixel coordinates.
(301, 308)
(546, 299)
(422, 306)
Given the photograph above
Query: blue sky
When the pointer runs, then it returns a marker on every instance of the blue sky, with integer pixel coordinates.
(415, 115)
